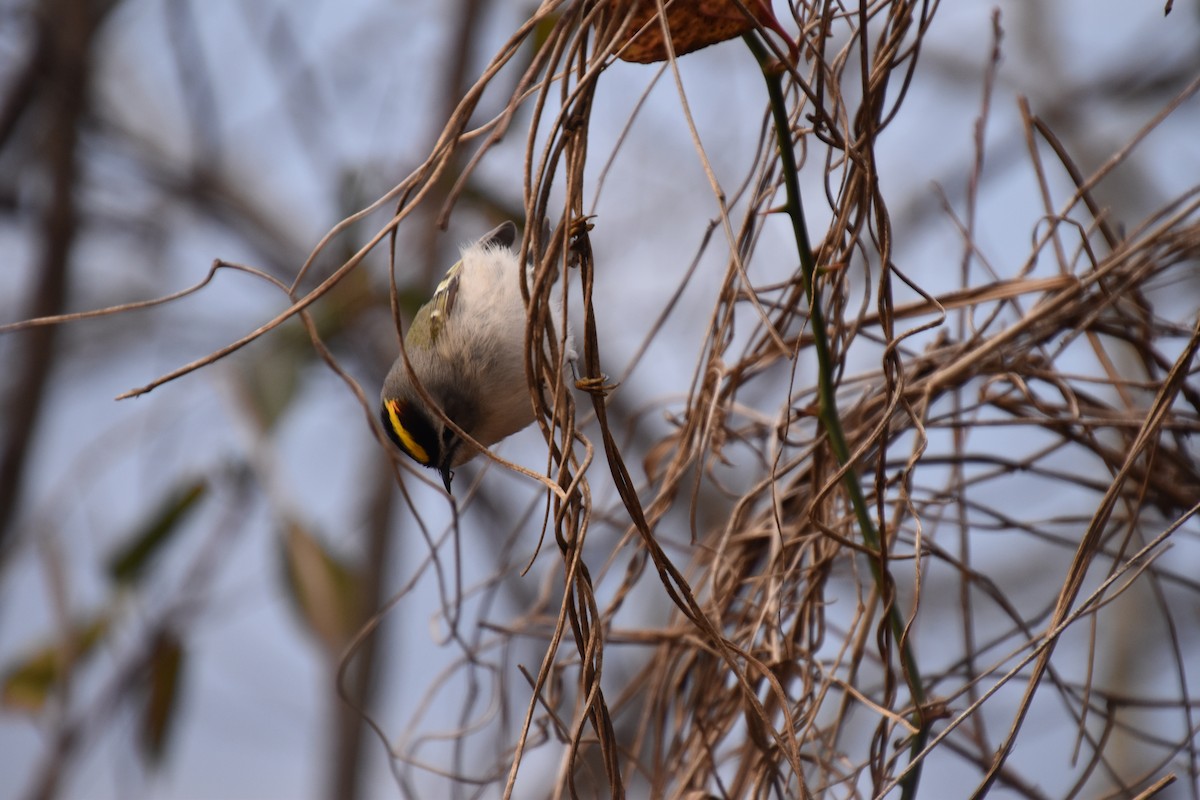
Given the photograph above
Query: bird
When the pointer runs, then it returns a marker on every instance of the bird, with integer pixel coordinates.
(466, 348)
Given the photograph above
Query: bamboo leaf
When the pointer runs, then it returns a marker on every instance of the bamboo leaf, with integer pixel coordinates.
(272, 379)
(325, 590)
(161, 697)
(129, 563)
(30, 681)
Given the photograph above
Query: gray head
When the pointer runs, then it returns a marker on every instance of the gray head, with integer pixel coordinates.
(420, 432)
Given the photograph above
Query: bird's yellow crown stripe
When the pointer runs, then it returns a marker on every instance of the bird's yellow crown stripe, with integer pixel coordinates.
(410, 444)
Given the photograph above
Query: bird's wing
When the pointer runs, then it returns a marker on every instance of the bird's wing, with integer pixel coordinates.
(442, 303)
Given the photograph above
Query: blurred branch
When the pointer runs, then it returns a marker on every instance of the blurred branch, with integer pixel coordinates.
(23, 88)
(65, 29)
(358, 679)
(467, 15)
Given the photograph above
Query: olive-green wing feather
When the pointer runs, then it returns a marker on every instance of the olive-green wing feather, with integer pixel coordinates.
(431, 317)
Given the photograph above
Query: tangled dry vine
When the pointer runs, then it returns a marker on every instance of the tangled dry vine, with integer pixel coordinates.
(889, 523)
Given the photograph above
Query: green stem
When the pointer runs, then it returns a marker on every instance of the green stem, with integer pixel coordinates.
(827, 400)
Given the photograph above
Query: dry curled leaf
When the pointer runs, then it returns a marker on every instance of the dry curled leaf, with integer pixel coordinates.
(693, 25)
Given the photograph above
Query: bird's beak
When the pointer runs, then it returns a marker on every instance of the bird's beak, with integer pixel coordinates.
(447, 476)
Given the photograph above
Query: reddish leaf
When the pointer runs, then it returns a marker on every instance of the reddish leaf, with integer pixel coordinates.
(693, 25)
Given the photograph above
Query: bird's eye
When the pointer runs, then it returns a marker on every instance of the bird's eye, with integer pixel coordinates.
(447, 435)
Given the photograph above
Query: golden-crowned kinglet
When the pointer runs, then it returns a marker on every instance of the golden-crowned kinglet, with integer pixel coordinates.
(466, 347)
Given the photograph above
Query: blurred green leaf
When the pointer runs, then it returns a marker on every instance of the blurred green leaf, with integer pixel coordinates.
(272, 375)
(545, 26)
(343, 306)
(272, 378)
(411, 298)
(324, 589)
(161, 697)
(129, 563)
(31, 680)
